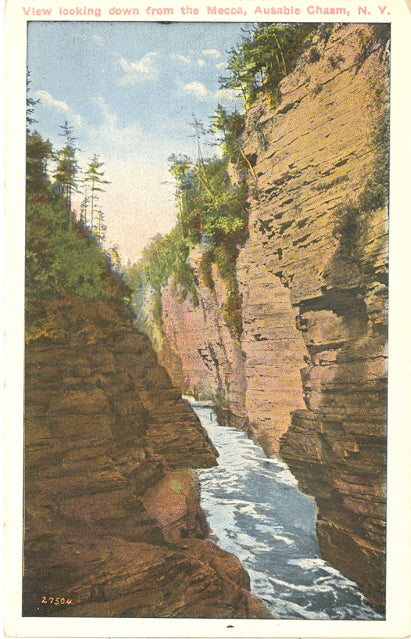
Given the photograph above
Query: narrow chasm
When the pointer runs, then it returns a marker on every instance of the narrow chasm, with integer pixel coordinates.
(206, 426)
(283, 324)
(255, 511)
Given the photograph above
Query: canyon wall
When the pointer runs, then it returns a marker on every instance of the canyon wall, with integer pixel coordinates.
(307, 377)
(113, 526)
(199, 350)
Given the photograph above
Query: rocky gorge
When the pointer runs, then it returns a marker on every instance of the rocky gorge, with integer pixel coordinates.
(306, 375)
(267, 304)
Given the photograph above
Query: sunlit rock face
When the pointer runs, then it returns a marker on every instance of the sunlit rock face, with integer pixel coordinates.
(113, 526)
(199, 349)
(315, 232)
(307, 378)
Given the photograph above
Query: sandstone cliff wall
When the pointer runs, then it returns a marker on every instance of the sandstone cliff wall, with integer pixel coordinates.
(112, 515)
(309, 371)
(199, 350)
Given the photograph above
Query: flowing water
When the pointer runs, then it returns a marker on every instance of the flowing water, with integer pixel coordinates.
(255, 511)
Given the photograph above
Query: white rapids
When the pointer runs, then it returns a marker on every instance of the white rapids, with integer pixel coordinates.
(256, 511)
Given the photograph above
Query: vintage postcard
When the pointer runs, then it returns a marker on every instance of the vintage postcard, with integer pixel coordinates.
(206, 223)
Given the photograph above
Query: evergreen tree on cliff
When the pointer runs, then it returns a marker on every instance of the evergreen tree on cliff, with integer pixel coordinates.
(67, 168)
(94, 177)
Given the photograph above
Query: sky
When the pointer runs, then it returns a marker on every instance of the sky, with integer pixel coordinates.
(130, 90)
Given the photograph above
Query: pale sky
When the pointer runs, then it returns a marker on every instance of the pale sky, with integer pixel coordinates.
(130, 91)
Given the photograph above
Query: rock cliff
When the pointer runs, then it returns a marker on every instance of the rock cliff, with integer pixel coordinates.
(113, 525)
(307, 378)
(199, 350)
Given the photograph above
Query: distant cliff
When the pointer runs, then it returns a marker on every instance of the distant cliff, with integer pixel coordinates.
(113, 526)
(306, 374)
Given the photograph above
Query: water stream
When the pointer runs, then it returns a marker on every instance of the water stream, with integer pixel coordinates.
(255, 511)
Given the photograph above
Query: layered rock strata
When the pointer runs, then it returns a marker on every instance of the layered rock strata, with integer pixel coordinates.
(311, 361)
(113, 526)
(318, 230)
(199, 350)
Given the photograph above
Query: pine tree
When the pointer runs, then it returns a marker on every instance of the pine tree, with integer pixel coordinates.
(30, 105)
(67, 168)
(38, 152)
(94, 176)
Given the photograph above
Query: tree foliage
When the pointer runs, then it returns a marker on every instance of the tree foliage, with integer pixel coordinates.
(163, 260)
(38, 153)
(209, 205)
(58, 258)
(65, 173)
(211, 211)
(30, 105)
(70, 283)
(231, 125)
(265, 57)
(94, 178)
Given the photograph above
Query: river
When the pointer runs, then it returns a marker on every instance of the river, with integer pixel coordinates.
(256, 511)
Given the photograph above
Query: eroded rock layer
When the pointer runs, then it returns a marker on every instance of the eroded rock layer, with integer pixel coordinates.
(199, 350)
(112, 523)
(310, 366)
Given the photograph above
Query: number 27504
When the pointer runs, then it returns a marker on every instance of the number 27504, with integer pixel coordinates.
(56, 601)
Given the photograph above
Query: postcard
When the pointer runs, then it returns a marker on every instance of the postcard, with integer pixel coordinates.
(206, 327)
